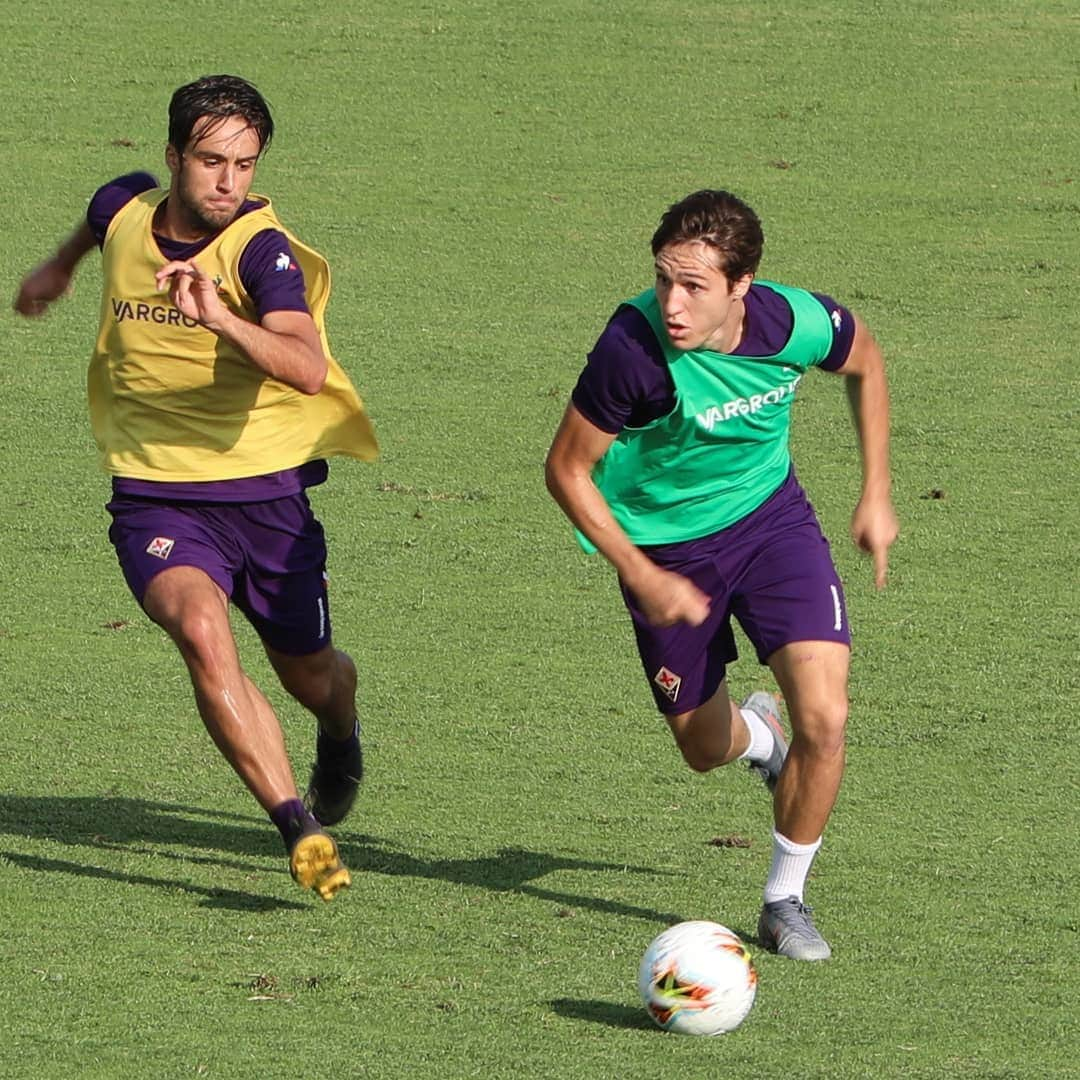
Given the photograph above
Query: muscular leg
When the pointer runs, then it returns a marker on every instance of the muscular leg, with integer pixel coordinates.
(812, 676)
(324, 683)
(712, 734)
(191, 608)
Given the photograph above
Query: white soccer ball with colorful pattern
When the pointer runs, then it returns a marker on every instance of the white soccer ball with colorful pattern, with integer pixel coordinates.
(697, 978)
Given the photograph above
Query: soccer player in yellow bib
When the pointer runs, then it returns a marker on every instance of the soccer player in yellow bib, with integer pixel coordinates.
(215, 401)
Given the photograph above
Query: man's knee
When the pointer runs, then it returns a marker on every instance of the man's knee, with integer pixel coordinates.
(700, 758)
(821, 725)
(191, 609)
(704, 736)
(197, 630)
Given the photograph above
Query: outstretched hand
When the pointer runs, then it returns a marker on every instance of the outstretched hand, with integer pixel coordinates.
(193, 293)
(41, 287)
(874, 527)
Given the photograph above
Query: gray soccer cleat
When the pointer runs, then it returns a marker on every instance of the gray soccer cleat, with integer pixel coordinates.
(764, 705)
(786, 928)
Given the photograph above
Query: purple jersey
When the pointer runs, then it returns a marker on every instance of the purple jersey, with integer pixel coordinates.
(274, 281)
(626, 382)
(248, 489)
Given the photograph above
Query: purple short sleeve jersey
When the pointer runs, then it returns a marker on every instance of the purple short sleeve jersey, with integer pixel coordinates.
(626, 382)
(274, 281)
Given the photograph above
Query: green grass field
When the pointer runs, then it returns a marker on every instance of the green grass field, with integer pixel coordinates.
(484, 179)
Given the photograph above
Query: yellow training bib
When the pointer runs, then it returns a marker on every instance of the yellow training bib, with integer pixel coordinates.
(171, 401)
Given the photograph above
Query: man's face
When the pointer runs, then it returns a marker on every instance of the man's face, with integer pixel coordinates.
(212, 176)
(701, 308)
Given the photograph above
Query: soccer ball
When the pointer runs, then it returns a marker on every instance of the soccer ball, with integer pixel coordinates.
(696, 978)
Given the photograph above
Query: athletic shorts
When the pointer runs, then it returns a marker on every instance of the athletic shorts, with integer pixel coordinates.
(269, 558)
(772, 571)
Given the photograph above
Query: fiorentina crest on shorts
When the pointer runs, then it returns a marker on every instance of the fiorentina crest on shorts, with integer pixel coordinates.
(161, 546)
(669, 682)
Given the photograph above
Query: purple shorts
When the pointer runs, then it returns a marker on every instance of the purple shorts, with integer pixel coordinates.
(269, 558)
(772, 570)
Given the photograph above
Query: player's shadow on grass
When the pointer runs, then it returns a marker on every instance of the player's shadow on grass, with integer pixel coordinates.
(216, 898)
(165, 831)
(509, 870)
(159, 830)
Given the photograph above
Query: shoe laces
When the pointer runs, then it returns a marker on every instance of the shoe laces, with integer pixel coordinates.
(799, 906)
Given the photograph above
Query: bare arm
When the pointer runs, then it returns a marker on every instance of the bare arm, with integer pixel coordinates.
(52, 279)
(874, 525)
(665, 597)
(286, 344)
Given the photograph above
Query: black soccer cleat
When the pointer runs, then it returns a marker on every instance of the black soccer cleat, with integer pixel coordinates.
(332, 788)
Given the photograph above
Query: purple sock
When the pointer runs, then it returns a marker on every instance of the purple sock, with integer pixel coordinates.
(292, 821)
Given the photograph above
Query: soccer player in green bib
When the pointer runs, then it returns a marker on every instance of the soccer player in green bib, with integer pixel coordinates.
(672, 460)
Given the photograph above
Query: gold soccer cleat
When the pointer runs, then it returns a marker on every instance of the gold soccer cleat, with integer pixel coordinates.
(315, 864)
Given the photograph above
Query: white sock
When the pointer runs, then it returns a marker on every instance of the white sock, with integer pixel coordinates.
(762, 739)
(791, 864)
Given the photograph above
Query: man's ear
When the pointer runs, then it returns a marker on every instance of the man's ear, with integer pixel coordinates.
(172, 159)
(741, 287)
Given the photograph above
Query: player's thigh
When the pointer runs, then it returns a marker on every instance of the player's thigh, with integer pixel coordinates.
(685, 664)
(176, 561)
(283, 590)
(790, 591)
(813, 677)
(183, 595)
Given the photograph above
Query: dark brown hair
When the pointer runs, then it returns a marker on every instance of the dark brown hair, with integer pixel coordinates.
(722, 221)
(218, 97)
